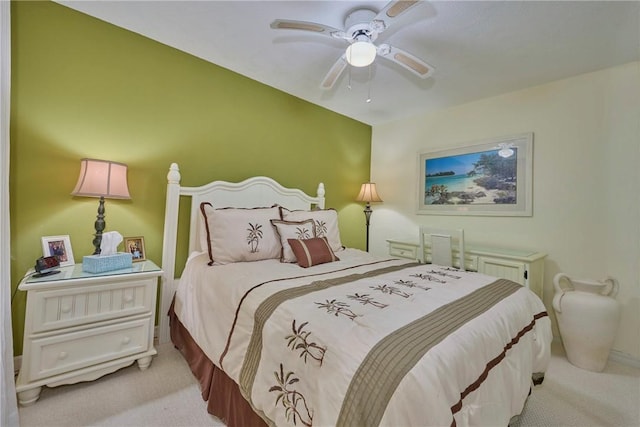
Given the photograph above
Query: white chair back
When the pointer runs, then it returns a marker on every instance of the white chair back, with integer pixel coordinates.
(440, 242)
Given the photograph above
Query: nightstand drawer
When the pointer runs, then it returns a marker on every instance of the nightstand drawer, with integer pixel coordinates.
(403, 251)
(72, 306)
(75, 350)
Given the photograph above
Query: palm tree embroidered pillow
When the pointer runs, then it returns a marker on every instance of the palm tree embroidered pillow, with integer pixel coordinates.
(326, 224)
(299, 230)
(239, 234)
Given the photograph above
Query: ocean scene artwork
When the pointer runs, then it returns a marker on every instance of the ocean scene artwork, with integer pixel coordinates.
(480, 178)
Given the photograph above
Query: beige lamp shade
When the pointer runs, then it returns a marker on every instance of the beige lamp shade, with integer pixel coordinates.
(368, 193)
(102, 178)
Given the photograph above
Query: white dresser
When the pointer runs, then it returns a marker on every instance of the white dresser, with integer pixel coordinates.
(80, 326)
(522, 266)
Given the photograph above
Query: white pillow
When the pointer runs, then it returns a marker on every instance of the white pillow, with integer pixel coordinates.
(325, 222)
(292, 230)
(237, 234)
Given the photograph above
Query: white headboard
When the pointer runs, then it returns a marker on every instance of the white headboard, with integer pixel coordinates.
(252, 192)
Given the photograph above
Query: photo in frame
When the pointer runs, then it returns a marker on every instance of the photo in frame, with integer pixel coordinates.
(493, 178)
(135, 246)
(60, 247)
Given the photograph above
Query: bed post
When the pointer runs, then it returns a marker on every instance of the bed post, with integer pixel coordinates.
(169, 243)
(320, 195)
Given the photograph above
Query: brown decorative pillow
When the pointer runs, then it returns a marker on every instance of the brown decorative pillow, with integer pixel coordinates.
(292, 230)
(314, 251)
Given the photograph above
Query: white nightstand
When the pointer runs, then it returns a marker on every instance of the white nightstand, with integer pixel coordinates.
(519, 265)
(80, 326)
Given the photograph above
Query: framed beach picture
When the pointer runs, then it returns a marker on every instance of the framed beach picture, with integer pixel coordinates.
(135, 246)
(59, 247)
(488, 178)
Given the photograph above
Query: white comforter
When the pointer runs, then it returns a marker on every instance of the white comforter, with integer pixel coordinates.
(298, 356)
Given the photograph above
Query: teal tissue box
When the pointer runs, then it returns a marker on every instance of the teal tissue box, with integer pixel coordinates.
(102, 263)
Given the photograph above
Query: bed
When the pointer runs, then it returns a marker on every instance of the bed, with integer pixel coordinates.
(316, 334)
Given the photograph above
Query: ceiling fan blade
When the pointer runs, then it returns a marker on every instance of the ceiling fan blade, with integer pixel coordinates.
(284, 24)
(392, 10)
(412, 63)
(334, 73)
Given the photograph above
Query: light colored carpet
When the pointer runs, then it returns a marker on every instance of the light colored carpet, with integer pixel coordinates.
(571, 396)
(167, 395)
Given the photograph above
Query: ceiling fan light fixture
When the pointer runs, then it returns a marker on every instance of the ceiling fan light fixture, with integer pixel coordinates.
(362, 26)
(361, 53)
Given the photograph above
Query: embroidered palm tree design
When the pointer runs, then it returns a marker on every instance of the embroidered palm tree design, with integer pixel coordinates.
(294, 403)
(321, 228)
(302, 233)
(456, 270)
(444, 274)
(410, 284)
(337, 308)
(366, 299)
(254, 236)
(428, 277)
(390, 290)
(299, 340)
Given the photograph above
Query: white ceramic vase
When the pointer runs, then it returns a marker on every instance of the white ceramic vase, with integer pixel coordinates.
(588, 317)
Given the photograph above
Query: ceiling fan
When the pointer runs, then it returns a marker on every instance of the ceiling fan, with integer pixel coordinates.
(362, 27)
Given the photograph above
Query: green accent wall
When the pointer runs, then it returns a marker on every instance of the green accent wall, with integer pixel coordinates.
(85, 88)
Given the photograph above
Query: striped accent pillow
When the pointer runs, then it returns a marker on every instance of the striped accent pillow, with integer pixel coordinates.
(314, 251)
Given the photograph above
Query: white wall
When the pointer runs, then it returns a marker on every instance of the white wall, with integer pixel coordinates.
(586, 179)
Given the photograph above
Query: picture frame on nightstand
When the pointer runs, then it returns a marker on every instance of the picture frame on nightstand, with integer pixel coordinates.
(60, 247)
(135, 246)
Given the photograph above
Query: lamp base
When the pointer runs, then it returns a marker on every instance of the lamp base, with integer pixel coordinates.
(367, 214)
(99, 226)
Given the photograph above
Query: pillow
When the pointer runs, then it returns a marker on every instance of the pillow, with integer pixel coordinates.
(326, 224)
(292, 230)
(240, 234)
(312, 251)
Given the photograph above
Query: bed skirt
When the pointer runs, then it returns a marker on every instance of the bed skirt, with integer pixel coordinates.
(220, 392)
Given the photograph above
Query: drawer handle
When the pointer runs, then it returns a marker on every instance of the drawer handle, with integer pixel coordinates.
(128, 298)
(62, 355)
(66, 308)
(126, 340)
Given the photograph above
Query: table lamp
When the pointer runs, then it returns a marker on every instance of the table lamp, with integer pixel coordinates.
(368, 193)
(103, 179)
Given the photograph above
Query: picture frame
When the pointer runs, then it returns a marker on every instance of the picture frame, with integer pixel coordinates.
(488, 178)
(60, 247)
(135, 246)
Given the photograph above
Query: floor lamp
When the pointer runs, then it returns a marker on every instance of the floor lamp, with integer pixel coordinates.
(368, 193)
(101, 178)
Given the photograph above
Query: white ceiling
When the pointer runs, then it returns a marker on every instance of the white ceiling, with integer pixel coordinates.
(478, 48)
